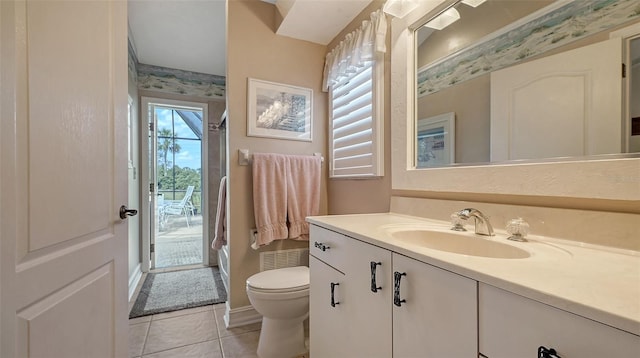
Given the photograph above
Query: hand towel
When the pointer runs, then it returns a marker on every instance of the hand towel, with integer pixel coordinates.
(303, 193)
(270, 197)
(220, 239)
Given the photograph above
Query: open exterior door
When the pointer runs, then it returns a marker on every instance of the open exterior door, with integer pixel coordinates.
(174, 127)
(63, 160)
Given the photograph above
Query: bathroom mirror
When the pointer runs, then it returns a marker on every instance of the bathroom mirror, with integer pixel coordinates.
(606, 177)
(518, 80)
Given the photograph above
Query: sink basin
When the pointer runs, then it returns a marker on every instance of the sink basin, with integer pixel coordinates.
(459, 243)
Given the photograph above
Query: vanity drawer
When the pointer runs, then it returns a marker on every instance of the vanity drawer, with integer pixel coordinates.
(515, 326)
(328, 246)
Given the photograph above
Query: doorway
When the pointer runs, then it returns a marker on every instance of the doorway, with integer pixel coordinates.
(176, 162)
(633, 99)
(630, 37)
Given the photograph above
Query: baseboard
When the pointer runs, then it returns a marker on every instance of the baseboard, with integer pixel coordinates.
(241, 316)
(134, 280)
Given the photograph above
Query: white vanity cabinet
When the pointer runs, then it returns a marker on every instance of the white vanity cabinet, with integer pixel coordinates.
(430, 303)
(369, 289)
(514, 326)
(434, 312)
(351, 321)
(438, 317)
(329, 324)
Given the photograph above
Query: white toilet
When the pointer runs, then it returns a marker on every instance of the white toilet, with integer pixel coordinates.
(281, 296)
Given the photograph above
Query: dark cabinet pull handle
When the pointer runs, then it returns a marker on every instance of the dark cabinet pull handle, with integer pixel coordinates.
(333, 301)
(374, 285)
(397, 276)
(321, 246)
(544, 352)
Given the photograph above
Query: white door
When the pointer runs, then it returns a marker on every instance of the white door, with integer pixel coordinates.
(562, 105)
(63, 158)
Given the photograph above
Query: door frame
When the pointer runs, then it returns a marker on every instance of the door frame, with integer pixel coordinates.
(133, 185)
(626, 34)
(147, 208)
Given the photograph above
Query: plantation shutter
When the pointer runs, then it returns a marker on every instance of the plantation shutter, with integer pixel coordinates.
(352, 144)
(354, 75)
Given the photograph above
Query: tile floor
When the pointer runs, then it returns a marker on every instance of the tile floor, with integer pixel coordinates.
(193, 333)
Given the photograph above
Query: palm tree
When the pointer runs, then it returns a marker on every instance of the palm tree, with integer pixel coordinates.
(166, 144)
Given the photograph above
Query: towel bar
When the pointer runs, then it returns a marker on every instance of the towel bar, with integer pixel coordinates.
(244, 158)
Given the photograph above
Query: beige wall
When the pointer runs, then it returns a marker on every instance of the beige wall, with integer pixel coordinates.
(367, 195)
(255, 51)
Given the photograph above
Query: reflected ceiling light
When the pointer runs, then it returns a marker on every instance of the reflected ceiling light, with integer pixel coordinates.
(473, 3)
(443, 20)
(399, 8)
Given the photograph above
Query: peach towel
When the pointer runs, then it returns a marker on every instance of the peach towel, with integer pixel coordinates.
(270, 197)
(286, 189)
(303, 193)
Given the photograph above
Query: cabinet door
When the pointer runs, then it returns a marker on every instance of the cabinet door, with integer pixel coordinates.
(327, 322)
(369, 312)
(438, 317)
(515, 326)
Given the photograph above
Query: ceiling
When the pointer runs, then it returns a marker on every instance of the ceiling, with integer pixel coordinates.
(181, 34)
(190, 34)
(317, 21)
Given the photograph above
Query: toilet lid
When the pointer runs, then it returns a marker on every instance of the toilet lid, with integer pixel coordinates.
(289, 278)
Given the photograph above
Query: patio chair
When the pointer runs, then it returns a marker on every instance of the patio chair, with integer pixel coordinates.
(182, 207)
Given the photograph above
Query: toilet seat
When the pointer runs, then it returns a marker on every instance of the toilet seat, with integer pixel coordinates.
(284, 280)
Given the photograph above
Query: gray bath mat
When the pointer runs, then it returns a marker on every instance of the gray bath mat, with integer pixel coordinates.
(176, 290)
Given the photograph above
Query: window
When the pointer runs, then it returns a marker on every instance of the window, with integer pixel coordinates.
(354, 73)
(356, 117)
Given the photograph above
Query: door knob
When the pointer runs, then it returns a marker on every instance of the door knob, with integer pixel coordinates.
(124, 212)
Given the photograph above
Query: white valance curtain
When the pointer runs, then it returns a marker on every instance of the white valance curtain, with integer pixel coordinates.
(357, 48)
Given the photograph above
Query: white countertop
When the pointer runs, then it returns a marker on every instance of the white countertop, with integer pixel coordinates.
(596, 282)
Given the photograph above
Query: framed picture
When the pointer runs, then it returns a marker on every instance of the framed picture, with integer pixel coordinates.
(435, 144)
(277, 110)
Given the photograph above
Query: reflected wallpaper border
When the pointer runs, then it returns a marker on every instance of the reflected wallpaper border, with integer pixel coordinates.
(538, 33)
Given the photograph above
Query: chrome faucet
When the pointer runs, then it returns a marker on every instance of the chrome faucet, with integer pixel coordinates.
(483, 226)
